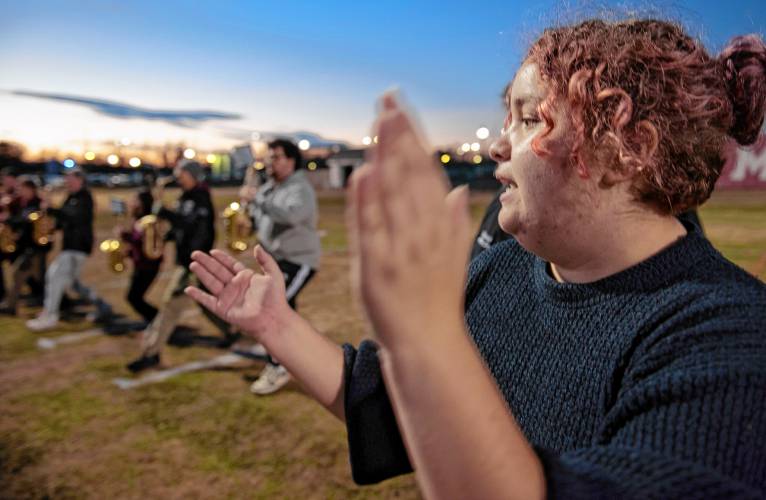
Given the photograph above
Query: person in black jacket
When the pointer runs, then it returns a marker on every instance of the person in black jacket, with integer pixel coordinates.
(75, 220)
(192, 228)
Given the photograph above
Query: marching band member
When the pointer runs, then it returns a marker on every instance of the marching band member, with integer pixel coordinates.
(30, 260)
(9, 207)
(192, 228)
(75, 220)
(145, 267)
(285, 217)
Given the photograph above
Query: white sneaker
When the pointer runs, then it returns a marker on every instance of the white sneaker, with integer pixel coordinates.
(43, 322)
(272, 379)
(257, 350)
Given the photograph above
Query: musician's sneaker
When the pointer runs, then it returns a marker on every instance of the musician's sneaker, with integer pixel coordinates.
(102, 314)
(43, 322)
(272, 378)
(143, 363)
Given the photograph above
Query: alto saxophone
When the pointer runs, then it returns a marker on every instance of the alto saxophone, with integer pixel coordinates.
(115, 252)
(42, 227)
(154, 241)
(237, 227)
(7, 238)
(114, 248)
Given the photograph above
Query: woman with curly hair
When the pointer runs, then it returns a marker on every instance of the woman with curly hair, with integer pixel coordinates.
(607, 350)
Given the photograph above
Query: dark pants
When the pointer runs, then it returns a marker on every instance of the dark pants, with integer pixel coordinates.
(296, 277)
(174, 302)
(139, 283)
(27, 265)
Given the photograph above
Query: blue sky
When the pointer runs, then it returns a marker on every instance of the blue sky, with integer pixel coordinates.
(282, 66)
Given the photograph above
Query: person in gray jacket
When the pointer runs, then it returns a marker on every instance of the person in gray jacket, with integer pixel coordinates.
(284, 214)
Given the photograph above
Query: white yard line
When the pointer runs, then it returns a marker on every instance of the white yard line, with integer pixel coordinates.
(71, 338)
(222, 361)
(49, 343)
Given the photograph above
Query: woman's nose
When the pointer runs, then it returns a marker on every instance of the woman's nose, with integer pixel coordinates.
(500, 150)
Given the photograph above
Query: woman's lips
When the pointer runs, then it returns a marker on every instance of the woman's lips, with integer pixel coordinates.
(510, 188)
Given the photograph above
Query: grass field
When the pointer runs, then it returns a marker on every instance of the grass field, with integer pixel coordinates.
(67, 432)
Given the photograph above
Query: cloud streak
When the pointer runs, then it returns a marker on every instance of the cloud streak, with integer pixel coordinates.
(114, 109)
(314, 139)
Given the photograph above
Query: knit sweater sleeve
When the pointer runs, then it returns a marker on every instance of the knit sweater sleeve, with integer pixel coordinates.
(688, 419)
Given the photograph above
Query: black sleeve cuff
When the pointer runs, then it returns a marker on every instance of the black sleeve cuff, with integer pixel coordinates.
(375, 445)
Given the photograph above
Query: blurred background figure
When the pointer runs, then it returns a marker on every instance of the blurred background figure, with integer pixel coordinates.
(285, 217)
(9, 207)
(32, 244)
(146, 257)
(75, 220)
(192, 228)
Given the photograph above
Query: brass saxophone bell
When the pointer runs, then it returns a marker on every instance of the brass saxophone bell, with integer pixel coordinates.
(7, 239)
(115, 251)
(42, 227)
(154, 241)
(237, 227)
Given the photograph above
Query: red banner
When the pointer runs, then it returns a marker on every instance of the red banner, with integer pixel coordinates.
(745, 168)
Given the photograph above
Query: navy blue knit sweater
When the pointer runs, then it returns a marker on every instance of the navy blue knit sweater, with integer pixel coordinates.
(650, 383)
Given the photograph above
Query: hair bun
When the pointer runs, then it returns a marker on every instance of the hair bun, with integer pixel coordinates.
(744, 66)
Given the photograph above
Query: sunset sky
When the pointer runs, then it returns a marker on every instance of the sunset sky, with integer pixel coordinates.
(78, 75)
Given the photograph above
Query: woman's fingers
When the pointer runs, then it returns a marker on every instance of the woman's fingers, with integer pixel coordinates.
(213, 266)
(230, 263)
(207, 278)
(207, 300)
(352, 224)
(373, 240)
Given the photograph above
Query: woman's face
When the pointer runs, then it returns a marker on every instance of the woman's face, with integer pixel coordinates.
(545, 198)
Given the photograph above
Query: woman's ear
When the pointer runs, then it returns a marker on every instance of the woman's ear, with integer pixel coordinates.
(625, 164)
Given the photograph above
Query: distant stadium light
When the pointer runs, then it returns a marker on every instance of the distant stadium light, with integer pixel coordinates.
(477, 159)
(189, 153)
(90, 156)
(125, 141)
(69, 163)
(475, 146)
(465, 147)
(113, 159)
(482, 133)
(367, 140)
(303, 144)
(312, 165)
(135, 162)
(210, 158)
(445, 158)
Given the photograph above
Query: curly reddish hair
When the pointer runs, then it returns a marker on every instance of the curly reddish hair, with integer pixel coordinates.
(649, 101)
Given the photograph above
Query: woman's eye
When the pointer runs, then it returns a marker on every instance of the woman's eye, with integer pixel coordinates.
(529, 122)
